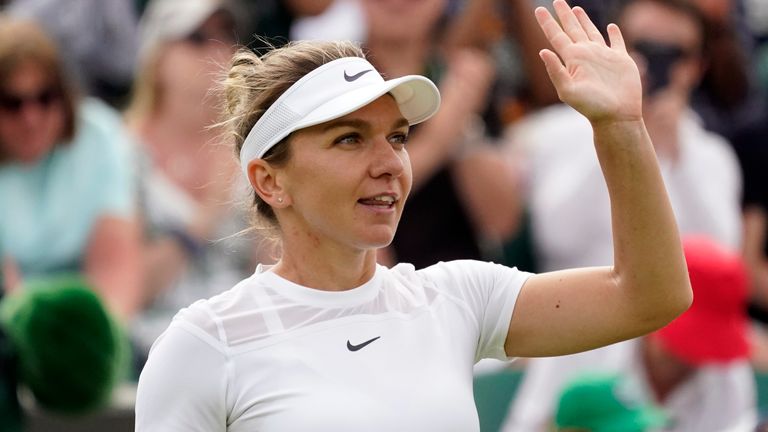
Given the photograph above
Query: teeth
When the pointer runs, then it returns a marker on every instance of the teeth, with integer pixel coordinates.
(385, 198)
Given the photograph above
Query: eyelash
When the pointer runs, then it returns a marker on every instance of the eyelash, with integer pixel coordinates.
(402, 138)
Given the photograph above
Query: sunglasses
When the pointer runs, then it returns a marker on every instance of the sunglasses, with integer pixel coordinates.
(12, 103)
(200, 38)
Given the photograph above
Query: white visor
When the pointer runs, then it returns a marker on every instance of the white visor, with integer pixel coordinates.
(331, 91)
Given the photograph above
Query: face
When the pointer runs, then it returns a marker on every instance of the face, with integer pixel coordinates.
(189, 66)
(666, 44)
(403, 20)
(347, 180)
(32, 115)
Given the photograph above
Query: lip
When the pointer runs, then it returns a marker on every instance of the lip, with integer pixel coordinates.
(378, 208)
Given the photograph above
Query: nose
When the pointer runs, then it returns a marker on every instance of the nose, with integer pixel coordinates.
(31, 114)
(387, 160)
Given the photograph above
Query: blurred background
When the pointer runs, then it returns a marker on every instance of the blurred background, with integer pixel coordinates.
(113, 171)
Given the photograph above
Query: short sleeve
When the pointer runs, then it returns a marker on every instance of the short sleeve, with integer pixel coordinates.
(183, 385)
(488, 291)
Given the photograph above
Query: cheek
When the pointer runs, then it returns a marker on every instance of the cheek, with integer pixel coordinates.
(6, 136)
(183, 70)
(406, 180)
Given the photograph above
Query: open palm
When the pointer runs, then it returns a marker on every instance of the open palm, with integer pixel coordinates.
(600, 81)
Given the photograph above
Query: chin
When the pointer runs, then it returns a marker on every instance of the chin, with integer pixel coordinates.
(378, 238)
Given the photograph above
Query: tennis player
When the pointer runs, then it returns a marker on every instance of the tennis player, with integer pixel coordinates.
(326, 339)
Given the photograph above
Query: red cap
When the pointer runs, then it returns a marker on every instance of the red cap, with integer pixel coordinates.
(714, 329)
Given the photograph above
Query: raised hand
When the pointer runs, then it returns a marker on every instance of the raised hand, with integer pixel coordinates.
(602, 82)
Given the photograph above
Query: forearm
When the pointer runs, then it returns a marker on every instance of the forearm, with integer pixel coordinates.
(648, 258)
(490, 188)
(433, 146)
(113, 265)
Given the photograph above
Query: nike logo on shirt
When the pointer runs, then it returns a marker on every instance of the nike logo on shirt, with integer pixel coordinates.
(354, 77)
(361, 346)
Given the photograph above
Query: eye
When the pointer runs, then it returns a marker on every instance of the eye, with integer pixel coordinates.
(399, 138)
(348, 139)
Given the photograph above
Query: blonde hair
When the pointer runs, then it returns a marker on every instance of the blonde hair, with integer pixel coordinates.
(147, 91)
(254, 83)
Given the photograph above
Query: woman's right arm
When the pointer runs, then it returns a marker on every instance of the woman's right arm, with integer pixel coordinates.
(182, 386)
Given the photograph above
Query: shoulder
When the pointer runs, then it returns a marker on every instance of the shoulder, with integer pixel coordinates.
(465, 270)
(94, 114)
(463, 278)
(556, 121)
(210, 320)
(99, 125)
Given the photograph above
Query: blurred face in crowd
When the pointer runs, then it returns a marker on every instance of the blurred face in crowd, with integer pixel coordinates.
(666, 44)
(348, 179)
(188, 67)
(32, 115)
(402, 20)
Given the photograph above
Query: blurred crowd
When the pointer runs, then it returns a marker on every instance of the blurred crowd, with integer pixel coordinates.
(113, 167)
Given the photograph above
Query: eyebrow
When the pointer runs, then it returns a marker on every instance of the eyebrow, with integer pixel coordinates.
(360, 124)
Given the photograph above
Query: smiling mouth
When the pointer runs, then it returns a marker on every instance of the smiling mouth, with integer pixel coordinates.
(379, 201)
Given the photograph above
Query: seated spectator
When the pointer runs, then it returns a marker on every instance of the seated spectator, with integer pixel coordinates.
(568, 201)
(89, 33)
(65, 176)
(677, 367)
(186, 198)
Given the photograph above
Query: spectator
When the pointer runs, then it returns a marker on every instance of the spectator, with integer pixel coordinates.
(89, 33)
(186, 193)
(696, 368)
(65, 176)
(567, 198)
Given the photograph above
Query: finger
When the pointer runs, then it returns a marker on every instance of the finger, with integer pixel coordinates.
(617, 40)
(569, 22)
(552, 30)
(555, 69)
(592, 32)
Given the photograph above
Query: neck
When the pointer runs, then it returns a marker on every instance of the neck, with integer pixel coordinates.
(322, 266)
(192, 111)
(399, 58)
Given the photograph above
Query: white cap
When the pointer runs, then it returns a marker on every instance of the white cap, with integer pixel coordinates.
(166, 20)
(334, 90)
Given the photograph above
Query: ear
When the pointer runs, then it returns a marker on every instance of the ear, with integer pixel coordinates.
(264, 180)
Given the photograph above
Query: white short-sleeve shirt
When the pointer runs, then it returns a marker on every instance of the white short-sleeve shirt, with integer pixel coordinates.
(394, 354)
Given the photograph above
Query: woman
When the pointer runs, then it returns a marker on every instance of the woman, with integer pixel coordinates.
(65, 177)
(328, 340)
(186, 175)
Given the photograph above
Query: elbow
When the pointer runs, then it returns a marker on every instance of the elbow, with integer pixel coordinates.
(677, 301)
(682, 301)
